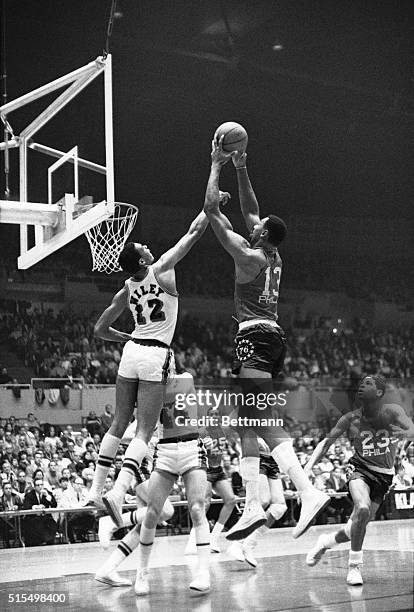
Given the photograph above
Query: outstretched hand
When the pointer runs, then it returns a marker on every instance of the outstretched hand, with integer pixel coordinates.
(398, 432)
(239, 159)
(218, 156)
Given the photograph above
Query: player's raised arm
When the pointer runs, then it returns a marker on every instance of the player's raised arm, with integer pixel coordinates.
(183, 246)
(321, 449)
(236, 245)
(248, 201)
(402, 426)
(103, 327)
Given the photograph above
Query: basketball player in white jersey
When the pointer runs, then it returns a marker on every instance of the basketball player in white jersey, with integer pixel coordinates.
(150, 294)
(260, 341)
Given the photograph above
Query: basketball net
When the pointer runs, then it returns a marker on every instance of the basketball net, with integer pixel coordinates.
(107, 239)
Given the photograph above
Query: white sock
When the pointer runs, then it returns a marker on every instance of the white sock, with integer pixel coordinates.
(107, 454)
(328, 540)
(286, 458)
(217, 529)
(125, 547)
(191, 537)
(135, 453)
(135, 517)
(249, 471)
(145, 547)
(355, 557)
(202, 537)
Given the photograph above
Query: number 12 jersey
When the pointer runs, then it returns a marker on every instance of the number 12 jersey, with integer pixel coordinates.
(154, 308)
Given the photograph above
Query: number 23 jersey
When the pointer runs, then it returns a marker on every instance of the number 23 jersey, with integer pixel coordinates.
(153, 307)
(373, 443)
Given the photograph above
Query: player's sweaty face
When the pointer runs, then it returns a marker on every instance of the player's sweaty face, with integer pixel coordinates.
(367, 389)
(256, 232)
(145, 253)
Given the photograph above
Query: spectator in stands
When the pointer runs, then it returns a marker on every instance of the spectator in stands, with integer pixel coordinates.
(51, 439)
(32, 421)
(5, 376)
(336, 480)
(401, 479)
(70, 453)
(9, 500)
(80, 523)
(107, 417)
(78, 448)
(39, 528)
(7, 474)
(52, 476)
(23, 484)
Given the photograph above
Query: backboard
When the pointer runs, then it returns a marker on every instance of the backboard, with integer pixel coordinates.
(57, 223)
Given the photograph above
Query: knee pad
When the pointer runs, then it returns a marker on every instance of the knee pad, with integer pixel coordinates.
(277, 510)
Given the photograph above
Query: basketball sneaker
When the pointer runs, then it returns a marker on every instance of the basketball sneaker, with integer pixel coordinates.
(354, 577)
(113, 505)
(313, 502)
(235, 550)
(252, 518)
(105, 531)
(201, 582)
(141, 583)
(96, 502)
(316, 553)
(214, 544)
(248, 550)
(112, 578)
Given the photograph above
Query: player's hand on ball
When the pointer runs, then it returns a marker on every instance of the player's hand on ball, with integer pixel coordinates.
(218, 156)
(239, 158)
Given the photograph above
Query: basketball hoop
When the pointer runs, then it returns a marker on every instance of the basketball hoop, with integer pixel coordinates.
(107, 239)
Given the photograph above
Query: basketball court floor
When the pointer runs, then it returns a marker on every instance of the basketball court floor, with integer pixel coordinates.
(282, 580)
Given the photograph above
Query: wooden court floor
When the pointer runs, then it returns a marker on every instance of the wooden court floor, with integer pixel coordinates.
(282, 581)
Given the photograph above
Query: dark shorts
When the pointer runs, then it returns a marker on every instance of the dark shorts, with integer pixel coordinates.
(379, 484)
(262, 347)
(144, 471)
(214, 474)
(269, 467)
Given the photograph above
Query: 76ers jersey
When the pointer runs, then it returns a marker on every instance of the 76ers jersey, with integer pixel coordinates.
(154, 308)
(374, 445)
(258, 298)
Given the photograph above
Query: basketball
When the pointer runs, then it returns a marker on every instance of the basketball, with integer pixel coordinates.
(235, 136)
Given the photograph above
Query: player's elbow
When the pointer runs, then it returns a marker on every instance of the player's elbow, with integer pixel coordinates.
(98, 329)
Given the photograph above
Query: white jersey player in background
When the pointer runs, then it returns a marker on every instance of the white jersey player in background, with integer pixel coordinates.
(150, 294)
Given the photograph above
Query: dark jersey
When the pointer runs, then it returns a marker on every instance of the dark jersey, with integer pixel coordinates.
(215, 454)
(258, 298)
(373, 443)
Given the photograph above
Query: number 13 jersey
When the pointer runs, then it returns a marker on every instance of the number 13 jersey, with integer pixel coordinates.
(153, 307)
(258, 298)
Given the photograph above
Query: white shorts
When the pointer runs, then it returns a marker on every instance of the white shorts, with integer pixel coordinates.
(153, 363)
(177, 458)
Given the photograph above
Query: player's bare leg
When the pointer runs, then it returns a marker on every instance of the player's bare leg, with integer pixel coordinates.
(133, 517)
(253, 515)
(195, 482)
(273, 500)
(224, 489)
(126, 394)
(149, 404)
(160, 485)
(354, 532)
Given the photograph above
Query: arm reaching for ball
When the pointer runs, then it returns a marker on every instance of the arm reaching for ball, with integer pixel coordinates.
(248, 201)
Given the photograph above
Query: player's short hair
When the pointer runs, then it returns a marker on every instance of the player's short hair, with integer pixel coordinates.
(277, 230)
(380, 383)
(129, 258)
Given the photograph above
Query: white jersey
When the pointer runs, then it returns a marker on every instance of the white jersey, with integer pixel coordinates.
(154, 308)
